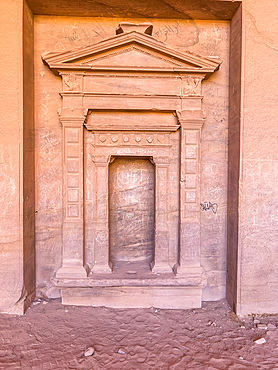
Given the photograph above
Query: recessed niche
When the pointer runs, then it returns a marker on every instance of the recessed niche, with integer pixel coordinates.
(131, 211)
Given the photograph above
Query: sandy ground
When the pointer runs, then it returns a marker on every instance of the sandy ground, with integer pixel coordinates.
(53, 336)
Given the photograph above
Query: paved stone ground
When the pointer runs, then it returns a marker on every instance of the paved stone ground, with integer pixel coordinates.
(53, 336)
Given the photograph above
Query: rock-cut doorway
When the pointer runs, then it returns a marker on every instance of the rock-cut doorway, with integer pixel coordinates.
(131, 213)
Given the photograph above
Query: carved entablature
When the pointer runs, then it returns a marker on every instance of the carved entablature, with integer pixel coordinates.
(131, 71)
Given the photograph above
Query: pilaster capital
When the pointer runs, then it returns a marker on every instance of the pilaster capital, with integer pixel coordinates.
(72, 117)
(191, 119)
(102, 161)
(161, 161)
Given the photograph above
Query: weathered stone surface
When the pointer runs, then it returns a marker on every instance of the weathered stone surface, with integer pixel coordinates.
(17, 245)
(253, 267)
(252, 272)
(131, 210)
(102, 143)
(183, 9)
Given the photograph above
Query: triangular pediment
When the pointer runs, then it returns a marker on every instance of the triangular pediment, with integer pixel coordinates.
(130, 51)
(133, 56)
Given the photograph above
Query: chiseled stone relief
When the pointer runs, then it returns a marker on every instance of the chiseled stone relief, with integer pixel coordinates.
(139, 99)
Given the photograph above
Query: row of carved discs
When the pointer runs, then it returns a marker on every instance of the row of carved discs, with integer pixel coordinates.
(114, 138)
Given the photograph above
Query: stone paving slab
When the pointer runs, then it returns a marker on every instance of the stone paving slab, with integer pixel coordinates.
(53, 336)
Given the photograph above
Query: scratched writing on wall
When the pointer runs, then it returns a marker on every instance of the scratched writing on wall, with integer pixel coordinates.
(206, 206)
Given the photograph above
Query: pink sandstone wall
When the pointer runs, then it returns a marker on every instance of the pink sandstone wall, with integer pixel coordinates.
(11, 156)
(167, 9)
(258, 201)
(253, 283)
(208, 38)
(16, 226)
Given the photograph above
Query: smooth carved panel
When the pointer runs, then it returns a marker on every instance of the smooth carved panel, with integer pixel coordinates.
(133, 56)
(131, 210)
(190, 197)
(191, 137)
(113, 120)
(73, 150)
(72, 210)
(73, 195)
(72, 181)
(191, 152)
(132, 84)
(72, 136)
(132, 101)
(73, 165)
(190, 181)
(191, 167)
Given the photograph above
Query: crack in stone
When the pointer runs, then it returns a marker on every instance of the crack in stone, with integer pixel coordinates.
(252, 18)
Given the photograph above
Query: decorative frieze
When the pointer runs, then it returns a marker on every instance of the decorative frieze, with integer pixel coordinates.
(134, 138)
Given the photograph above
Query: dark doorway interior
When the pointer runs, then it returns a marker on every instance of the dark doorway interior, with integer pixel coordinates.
(131, 212)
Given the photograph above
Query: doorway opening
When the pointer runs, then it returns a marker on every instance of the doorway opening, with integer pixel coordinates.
(131, 214)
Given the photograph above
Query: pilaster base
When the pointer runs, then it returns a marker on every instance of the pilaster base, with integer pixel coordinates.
(72, 272)
(162, 268)
(102, 269)
(194, 275)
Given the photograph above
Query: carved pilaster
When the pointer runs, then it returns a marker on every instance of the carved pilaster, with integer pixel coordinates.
(102, 263)
(189, 259)
(161, 262)
(73, 224)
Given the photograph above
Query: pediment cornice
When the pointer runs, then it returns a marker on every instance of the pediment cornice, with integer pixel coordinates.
(97, 57)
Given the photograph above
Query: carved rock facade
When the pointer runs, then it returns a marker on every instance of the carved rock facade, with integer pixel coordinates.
(139, 99)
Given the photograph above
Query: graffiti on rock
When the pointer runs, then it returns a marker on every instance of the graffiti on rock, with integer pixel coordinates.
(206, 206)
